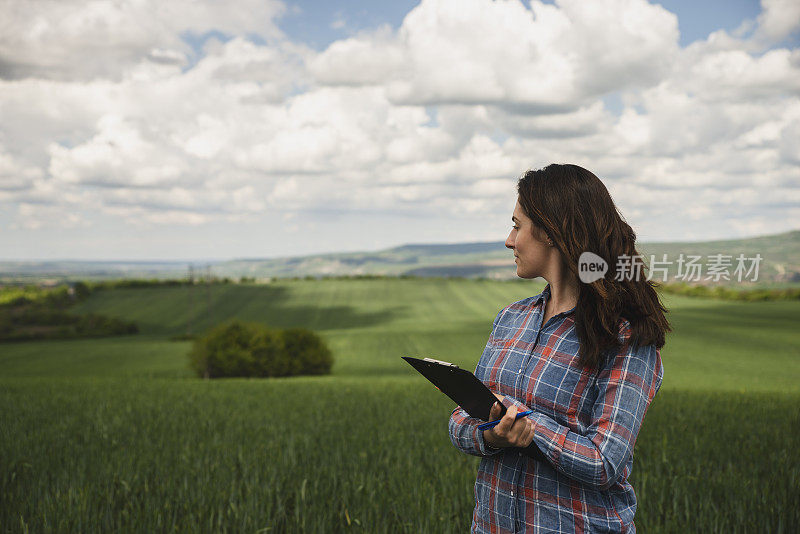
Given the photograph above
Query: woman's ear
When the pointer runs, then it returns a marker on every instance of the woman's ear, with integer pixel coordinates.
(540, 234)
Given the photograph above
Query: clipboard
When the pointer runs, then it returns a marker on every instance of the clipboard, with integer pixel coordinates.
(460, 385)
(466, 390)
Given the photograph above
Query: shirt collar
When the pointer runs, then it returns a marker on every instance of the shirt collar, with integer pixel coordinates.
(544, 296)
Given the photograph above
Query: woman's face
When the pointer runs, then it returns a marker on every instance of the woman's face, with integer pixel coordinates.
(529, 243)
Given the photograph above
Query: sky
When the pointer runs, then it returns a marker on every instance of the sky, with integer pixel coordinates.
(198, 130)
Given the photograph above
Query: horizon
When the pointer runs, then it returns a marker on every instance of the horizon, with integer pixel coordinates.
(200, 261)
(290, 128)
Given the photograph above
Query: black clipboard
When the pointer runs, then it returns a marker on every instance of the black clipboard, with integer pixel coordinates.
(466, 390)
(460, 385)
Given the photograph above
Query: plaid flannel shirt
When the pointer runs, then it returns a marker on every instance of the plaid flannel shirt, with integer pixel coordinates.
(586, 423)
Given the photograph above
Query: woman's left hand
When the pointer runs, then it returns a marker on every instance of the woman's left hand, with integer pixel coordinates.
(510, 431)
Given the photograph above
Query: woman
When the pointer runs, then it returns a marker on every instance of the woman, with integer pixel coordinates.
(584, 356)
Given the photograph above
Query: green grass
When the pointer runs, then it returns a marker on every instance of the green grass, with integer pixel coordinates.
(716, 345)
(116, 435)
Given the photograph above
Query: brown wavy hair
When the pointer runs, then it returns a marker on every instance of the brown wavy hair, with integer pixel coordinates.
(573, 207)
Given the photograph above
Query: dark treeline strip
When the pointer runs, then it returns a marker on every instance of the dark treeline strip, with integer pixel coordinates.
(61, 293)
(726, 293)
(43, 314)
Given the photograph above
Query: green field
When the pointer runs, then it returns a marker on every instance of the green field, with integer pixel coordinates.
(116, 434)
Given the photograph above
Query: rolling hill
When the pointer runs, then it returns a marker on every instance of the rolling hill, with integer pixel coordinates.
(779, 265)
(780, 260)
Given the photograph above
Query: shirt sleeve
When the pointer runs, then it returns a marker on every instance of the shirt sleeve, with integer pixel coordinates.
(465, 434)
(626, 385)
(464, 431)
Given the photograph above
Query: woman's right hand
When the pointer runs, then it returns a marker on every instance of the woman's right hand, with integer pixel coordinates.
(510, 431)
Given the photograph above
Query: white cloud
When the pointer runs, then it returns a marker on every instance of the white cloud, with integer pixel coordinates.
(119, 155)
(542, 59)
(36, 216)
(438, 117)
(778, 19)
(16, 175)
(83, 40)
(580, 122)
(738, 75)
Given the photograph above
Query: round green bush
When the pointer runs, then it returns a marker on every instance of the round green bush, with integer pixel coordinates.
(307, 351)
(237, 349)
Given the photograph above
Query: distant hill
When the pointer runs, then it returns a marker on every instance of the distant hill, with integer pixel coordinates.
(780, 263)
(38, 271)
(780, 254)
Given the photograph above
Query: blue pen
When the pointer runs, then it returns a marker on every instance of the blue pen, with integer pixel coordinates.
(492, 424)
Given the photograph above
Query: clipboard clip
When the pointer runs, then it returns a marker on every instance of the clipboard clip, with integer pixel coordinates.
(440, 362)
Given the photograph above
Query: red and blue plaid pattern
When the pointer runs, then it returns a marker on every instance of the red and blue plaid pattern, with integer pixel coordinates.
(586, 423)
